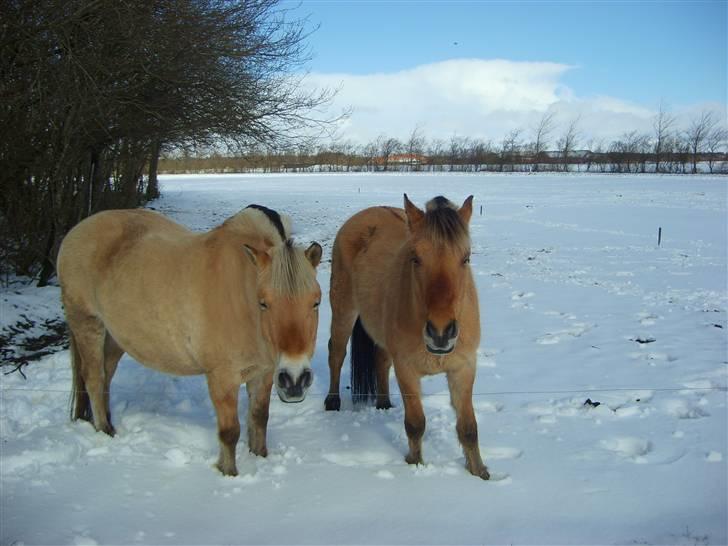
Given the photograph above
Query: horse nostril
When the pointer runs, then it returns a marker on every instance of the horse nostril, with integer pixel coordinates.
(305, 379)
(285, 381)
(430, 330)
(452, 330)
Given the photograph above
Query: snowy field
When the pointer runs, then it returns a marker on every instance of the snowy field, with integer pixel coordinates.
(578, 303)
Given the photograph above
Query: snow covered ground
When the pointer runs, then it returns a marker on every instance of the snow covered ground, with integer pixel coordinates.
(578, 303)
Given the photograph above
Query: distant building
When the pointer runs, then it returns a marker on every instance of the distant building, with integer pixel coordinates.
(555, 154)
(404, 159)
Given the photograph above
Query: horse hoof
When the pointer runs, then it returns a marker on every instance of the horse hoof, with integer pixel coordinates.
(226, 471)
(481, 473)
(108, 429)
(262, 452)
(414, 459)
(385, 405)
(332, 402)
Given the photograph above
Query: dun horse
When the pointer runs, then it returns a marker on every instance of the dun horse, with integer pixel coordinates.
(238, 304)
(401, 280)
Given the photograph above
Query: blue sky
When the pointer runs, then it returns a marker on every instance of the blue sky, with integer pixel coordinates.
(635, 53)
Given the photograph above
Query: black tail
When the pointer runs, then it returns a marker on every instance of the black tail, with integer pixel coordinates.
(363, 372)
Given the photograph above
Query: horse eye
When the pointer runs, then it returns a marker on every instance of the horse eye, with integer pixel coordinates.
(263, 305)
(316, 305)
(416, 260)
(466, 260)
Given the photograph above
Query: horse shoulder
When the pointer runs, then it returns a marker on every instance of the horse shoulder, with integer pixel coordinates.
(229, 301)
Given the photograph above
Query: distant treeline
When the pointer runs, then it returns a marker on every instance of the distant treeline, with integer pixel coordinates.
(699, 148)
(326, 161)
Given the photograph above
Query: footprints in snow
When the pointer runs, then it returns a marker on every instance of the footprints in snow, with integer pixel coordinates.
(574, 328)
(628, 447)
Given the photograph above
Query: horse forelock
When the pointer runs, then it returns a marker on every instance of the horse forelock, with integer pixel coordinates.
(290, 273)
(440, 202)
(444, 226)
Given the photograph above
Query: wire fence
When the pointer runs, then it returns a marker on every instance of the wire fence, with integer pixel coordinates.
(586, 390)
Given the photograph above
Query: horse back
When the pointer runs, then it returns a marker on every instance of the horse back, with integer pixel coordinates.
(372, 231)
(364, 263)
(97, 245)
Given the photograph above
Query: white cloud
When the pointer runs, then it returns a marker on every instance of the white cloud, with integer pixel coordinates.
(475, 98)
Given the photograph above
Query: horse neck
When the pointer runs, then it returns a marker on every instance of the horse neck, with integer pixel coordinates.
(234, 289)
(243, 233)
(257, 233)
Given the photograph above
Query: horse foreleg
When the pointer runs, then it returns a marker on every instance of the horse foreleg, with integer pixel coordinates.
(414, 415)
(461, 397)
(259, 390)
(224, 396)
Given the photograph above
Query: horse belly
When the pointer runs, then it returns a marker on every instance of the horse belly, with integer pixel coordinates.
(152, 316)
(154, 347)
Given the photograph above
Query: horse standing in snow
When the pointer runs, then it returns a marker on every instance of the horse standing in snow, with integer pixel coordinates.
(401, 280)
(238, 304)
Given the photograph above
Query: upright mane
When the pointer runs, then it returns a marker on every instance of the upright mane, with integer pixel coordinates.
(443, 225)
(290, 273)
(258, 220)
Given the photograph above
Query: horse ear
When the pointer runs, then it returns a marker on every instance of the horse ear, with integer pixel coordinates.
(313, 254)
(466, 211)
(414, 215)
(259, 259)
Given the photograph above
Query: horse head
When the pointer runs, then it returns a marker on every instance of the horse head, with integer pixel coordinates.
(288, 302)
(439, 257)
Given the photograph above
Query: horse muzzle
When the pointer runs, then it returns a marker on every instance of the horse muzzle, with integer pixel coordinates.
(441, 342)
(292, 382)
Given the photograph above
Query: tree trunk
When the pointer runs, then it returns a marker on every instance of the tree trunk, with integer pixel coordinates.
(153, 183)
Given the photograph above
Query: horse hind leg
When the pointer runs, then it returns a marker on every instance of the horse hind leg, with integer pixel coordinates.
(343, 317)
(112, 355)
(382, 365)
(80, 403)
(88, 335)
(340, 333)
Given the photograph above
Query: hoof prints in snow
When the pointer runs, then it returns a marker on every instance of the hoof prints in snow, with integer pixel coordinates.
(628, 447)
(359, 458)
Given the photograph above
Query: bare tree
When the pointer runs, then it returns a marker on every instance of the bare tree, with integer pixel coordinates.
(414, 146)
(681, 153)
(714, 143)
(567, 143)
(436, 152)
(478, 152)
(457, 151)
(510, 149)
(93, 91)
(369, 153)
(662, 125)
(542, 132)
(697, 135)
(387, 146)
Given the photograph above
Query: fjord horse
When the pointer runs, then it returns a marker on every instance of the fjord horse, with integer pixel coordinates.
(401, 280)
(238, 304)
